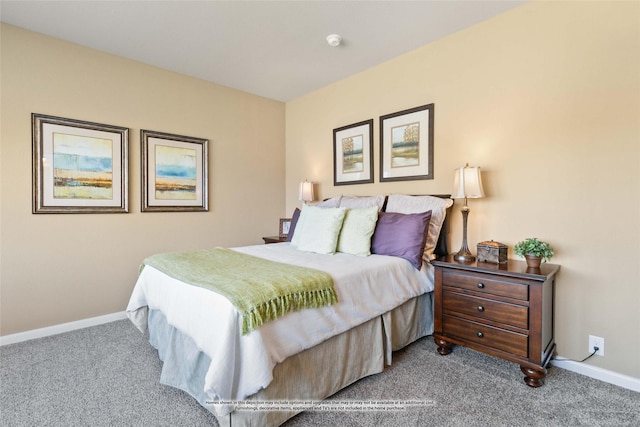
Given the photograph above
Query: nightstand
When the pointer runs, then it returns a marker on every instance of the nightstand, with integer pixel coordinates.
(505, 310)
(274, 239)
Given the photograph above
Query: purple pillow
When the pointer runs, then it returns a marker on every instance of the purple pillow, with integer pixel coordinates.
(401, 235)
(292, 226)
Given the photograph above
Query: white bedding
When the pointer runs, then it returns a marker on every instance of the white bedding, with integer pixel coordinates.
(242, 365)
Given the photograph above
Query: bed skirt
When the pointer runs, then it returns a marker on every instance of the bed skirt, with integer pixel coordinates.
(313, 374)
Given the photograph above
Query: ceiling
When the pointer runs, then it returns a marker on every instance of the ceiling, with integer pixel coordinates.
(275, 49)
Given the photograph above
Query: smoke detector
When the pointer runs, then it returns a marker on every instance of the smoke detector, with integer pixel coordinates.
(334, 40)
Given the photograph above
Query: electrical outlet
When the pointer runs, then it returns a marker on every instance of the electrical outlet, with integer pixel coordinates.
(596, 342)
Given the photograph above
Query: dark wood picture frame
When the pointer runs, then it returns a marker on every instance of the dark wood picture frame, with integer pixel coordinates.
(406, 144)
(353, 154)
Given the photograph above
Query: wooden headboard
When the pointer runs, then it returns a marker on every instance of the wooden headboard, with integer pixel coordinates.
(442, 247)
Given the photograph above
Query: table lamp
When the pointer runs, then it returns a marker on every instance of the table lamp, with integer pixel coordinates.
(467, 184)
(305, 192)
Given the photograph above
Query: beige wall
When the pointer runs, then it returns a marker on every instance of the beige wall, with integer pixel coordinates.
(546, 99)
(59, 268)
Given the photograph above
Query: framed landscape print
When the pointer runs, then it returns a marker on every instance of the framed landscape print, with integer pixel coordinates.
(174, 172)
(78, 166)
(406, 145)
(353, 154)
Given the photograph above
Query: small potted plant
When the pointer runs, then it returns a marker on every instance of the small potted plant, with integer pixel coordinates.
(534, 251)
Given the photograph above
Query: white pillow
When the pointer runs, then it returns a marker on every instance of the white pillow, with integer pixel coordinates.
(405, 204)
(361, 202)
(357, 229)
(318, 229)
(333, 202)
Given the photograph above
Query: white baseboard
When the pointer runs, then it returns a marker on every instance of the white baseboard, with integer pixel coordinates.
(601, 374)
(58, 329)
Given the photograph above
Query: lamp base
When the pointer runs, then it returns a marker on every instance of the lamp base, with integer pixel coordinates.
(464, 256)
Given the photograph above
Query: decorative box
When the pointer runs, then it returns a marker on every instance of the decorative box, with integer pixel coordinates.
(491, 251)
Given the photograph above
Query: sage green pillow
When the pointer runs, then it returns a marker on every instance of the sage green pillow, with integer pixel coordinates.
(318, 229)
(357, 229)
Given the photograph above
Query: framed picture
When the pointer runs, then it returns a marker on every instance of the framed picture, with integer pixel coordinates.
(285, 225)
(406, 145)
(353, 154)
(174, 172)
(78, 166)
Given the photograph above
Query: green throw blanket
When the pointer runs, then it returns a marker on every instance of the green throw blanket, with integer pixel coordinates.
(261, 290)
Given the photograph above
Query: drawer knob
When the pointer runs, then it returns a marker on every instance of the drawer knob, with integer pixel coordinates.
(480, 308)
(481, 285)
(480, 334)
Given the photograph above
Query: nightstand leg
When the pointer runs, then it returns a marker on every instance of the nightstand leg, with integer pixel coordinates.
(444, 347)
(533, 377)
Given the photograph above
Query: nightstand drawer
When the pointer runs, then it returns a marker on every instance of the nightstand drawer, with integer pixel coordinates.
(500, 339)
(482, 308)
(487, 284)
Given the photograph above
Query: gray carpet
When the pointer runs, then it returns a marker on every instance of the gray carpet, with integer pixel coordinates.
(108, 375)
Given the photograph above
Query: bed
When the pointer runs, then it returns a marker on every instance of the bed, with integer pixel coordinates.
(384, 302)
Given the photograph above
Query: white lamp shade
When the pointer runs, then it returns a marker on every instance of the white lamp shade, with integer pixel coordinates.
(306, 191)
(467, 183)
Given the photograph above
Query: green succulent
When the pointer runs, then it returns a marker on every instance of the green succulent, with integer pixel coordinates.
(533, 246)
